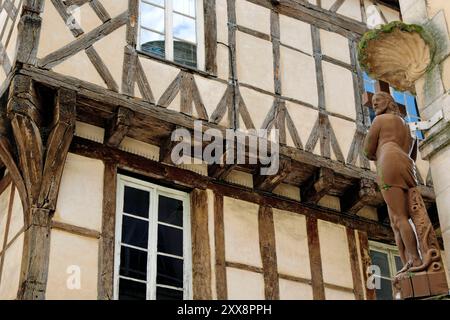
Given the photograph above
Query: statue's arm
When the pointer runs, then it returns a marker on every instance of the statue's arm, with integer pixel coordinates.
(371, 141)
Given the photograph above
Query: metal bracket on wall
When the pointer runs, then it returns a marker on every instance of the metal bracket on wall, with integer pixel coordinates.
(427, 125)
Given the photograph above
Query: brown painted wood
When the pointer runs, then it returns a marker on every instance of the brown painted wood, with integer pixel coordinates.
(268, 253)
(366, 262)
(354, 263)
(221, 268)
(201, 252)
(315, 259)
(107, 239)
(243, 266)
(102, 69)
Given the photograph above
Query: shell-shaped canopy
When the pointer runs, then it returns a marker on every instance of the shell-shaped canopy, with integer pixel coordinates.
(396, 53)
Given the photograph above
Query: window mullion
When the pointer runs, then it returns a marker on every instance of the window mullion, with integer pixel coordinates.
(152, 246)
(200, 30)
(169, 30)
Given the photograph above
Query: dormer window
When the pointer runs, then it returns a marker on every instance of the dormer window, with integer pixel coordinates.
(173, 30)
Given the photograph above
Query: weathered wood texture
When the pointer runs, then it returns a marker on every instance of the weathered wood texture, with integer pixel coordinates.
(201, 252)
(315, 259)
(221, 269)
(268, 253)
(366, 263)
(107, 239)
(355, 265)
(157, 170)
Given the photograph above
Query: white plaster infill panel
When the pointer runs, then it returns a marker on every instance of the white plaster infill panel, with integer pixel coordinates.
(73, 267)
(296, 34)
(244, 285)
(80, 199)
(334, 45)
(291, 244)
(339, 91)
(9, 285)
(253, 16)
(335, 254)
(298, 76)
(292, 290)
(254, 69)
(241, 232)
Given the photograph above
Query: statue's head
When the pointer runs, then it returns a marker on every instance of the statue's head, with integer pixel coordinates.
(383, 102)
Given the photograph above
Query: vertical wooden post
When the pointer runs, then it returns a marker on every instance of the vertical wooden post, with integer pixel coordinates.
(268, 253)
(221, 271)
(201, 252)
(106, 249)
(315, 259)
(36, 251)
(354, 263)
(366, 262)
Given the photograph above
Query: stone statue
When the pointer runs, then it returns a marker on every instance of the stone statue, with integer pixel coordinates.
(390, 144)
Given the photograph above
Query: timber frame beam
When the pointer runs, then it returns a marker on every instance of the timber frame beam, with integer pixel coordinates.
(154, 124)
(34, 141)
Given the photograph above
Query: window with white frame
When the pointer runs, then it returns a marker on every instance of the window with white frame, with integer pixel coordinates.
(152, 245)
(387, 259)
(173, 30)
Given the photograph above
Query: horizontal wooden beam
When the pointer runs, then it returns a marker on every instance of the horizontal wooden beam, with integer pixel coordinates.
(188, 179)
(98, 102)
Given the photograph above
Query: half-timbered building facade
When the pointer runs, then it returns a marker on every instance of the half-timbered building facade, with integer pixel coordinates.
(91, 205)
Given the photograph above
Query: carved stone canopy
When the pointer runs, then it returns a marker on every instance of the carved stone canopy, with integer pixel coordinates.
(396, 53)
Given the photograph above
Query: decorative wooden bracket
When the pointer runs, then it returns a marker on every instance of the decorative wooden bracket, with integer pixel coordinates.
(365, 193)
(317, 185)
(118, 127)
(270, 182)
(42, 139)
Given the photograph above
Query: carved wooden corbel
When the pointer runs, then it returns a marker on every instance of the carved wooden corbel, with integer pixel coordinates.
(40, 134)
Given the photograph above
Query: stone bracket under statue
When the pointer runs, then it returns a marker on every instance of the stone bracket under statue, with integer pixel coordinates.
(428, 279)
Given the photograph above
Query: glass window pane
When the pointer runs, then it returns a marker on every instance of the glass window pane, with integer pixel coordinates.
(168, 294)
(170, 240)
(133, 263)
(399, 97)
(135, 232)
(170, 271)
(132, 290)
(185, 6)
(152, 17)
(152, 42)
(170, 211)
(185, 53)
(385, 292)
(184, 28)
(136, 202)
(380, 259)
(398, 263)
